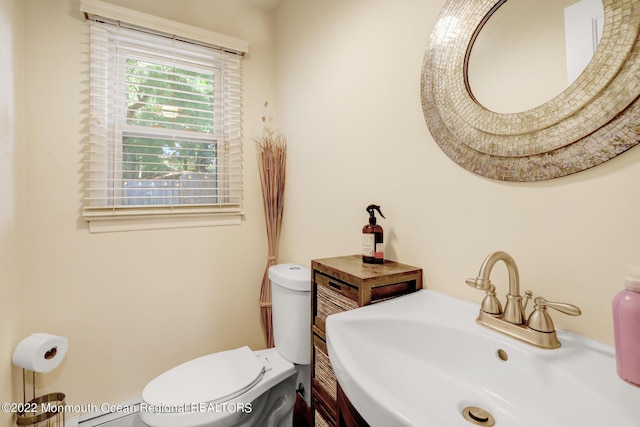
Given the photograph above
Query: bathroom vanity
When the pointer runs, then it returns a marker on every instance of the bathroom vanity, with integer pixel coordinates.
(341, 284)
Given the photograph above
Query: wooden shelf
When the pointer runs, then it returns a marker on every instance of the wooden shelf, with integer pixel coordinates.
(341, 284)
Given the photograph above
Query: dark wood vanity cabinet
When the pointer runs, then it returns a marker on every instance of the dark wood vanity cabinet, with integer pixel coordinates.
(341, 284)
(347, 414)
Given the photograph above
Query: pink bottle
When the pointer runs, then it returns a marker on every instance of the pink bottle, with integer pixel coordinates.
(626, 328)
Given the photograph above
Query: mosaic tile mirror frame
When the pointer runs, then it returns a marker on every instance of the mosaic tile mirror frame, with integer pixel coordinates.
(595, 119)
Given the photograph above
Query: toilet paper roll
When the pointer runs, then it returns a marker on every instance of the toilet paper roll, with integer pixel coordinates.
(40, 352)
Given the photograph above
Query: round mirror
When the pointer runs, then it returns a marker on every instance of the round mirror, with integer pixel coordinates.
(594, 119)
(523, 54)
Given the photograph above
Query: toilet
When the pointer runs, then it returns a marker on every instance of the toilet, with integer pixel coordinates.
(241, 387)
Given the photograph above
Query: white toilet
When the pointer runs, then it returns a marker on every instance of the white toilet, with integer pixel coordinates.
(241, 387)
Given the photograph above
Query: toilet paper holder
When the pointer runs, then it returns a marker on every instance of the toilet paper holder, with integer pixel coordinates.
(40, 410)
(40, 352)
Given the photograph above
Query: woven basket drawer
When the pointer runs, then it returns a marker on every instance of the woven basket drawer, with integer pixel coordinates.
(323, 372)
(319, 420)
(332, 302)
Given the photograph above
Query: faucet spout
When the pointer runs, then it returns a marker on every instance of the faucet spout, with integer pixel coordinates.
(512, 269)
(513, 311)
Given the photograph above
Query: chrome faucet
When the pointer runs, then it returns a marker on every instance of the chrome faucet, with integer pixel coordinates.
(538, 329)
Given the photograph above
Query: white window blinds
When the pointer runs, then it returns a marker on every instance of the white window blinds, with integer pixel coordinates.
(165, 126)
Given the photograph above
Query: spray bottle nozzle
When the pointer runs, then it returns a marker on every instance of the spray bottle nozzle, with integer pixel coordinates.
(372, 216)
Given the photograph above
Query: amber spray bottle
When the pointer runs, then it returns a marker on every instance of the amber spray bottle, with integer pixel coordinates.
(373, 238)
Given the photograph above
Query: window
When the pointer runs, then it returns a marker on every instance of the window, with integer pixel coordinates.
(165, 136)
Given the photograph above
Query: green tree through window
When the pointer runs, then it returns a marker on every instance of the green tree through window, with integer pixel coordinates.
(167, 97)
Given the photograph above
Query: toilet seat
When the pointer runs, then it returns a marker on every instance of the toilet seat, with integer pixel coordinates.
(276, 380)
(214, 378)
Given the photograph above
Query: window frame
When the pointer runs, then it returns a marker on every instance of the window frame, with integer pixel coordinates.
(228, 143)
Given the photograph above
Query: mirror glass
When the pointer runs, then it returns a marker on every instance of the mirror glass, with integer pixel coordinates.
(528, 52)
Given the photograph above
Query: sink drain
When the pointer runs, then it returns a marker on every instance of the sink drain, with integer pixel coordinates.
(478, 416)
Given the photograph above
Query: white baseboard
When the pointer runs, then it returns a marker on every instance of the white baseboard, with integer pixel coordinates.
(104, 413)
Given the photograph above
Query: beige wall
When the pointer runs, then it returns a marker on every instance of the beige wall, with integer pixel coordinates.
(132, 304)
(345, 78)
(349, 91)
(11, 198)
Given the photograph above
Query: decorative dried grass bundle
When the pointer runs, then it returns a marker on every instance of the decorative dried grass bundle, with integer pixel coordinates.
(271, 149)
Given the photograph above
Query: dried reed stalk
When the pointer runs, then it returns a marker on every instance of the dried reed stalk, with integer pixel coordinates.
(271, 150)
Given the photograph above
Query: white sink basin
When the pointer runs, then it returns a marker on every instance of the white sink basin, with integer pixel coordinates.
(421, 359)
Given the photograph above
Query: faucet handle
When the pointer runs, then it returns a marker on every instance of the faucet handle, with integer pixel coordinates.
(479, 283)
(562, 307)
(540, 320)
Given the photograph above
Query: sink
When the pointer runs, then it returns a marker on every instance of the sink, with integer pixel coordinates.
(421, 360)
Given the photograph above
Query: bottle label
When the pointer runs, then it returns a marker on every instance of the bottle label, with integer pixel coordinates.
(379, 251)
(368, 244)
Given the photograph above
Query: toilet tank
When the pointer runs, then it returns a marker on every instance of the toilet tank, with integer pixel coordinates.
(291, 311)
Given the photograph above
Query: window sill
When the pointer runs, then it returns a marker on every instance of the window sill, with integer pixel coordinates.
(105, 223)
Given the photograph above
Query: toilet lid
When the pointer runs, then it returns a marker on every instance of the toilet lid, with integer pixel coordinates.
(213, 378)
